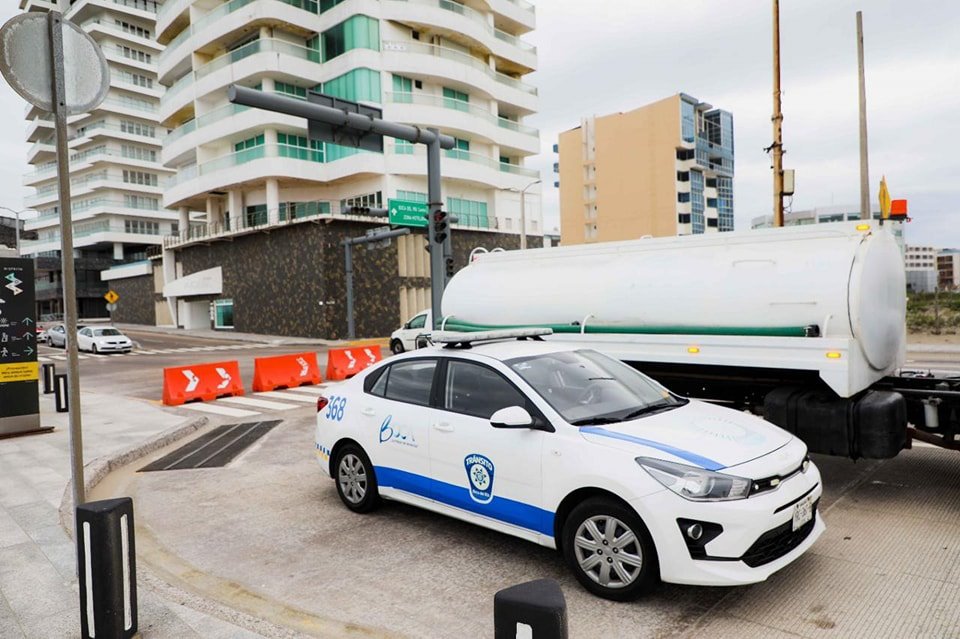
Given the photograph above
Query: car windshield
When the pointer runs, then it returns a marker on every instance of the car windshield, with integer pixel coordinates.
(586, 387)
(107, 332)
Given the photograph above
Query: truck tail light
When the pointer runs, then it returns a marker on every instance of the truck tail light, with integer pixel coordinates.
(322, 403)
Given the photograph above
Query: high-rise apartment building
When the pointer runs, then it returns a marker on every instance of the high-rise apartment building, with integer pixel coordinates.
(115, 172)
(663, 169)
(921, 264)
(458, 66)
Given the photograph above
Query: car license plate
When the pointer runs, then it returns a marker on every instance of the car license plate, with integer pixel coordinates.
(802, 512)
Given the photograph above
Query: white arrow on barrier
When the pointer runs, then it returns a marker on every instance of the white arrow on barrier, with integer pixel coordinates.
(370, 354)
(304, 366)
(192, 381)
(349, 355)
(226, 378)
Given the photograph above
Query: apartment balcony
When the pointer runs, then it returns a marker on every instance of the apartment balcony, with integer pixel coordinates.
(90, 234)
(115, 131)
(39, 128)
(171, 17)
(91, 208)
(516, 16)
(456, 117)
(465, 24)
(419, 60)
(82, 9)
(295, 164)
(97, 27)
(226, 23)
(42, 151)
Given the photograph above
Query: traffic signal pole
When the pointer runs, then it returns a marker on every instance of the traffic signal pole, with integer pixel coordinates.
(438, 278)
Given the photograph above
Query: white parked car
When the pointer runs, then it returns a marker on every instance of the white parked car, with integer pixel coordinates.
(405, 338)
(103, 340)
(574, 450)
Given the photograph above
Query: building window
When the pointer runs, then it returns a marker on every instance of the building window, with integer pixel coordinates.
(683, 218)
(290, 89)
(141, 227)
(402, 147)
(688, 124)
(138, 153)
(685, 154)
(132, 29)
(683, 197)
(256, 215)
(223, 314)
(326, 5)
(249, 149)
(696, 202)
(372, 200)
(140, 177)
(296, 210)
(299, 147)
(683, 176)
(359, 85)
(138, 128)
(460, 150)
(412, 196)
(711, 183)
(141, 202)
(712, 222)
(134, 54)
(453, 99)
(470, 212)
(357, 32)
(711, 202)
(402, 89)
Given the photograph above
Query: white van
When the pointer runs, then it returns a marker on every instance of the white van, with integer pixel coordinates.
(405, 337)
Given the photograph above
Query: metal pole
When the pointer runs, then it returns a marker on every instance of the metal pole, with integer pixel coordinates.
(864, 168)
(17, 213)
(523, 214)
(348, 264)
(55, 24)
(438, 278)
(777, 122)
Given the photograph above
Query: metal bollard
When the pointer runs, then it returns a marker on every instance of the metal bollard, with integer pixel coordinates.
(48, 372)
(61, 395)
(533, 610)
(107, 566)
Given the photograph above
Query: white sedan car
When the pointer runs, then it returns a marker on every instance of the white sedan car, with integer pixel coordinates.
(576, 451)
(103, 340)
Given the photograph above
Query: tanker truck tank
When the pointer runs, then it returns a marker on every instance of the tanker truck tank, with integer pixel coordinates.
(827, 301)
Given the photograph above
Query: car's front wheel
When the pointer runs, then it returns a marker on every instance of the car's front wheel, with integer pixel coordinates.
(396, 347)
(356, 481)
(609, 550)
(93, 349)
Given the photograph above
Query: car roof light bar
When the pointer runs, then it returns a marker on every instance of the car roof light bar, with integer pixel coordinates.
(458, 337)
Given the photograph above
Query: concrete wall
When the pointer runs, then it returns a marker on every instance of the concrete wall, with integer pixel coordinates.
(278, 280)
(137, 301)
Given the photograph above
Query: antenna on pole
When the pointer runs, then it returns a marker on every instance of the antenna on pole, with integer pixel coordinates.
(864, 167)
(777, 147)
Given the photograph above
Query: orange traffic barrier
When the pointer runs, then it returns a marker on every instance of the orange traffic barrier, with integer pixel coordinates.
(205, 382)
(285, 371)
(344, 363)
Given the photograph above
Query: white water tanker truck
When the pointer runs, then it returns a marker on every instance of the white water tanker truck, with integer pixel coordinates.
(805, 325)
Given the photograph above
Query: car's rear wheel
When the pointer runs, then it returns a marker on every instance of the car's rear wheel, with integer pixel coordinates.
(356, 481)
(396, 347)
(609, 550)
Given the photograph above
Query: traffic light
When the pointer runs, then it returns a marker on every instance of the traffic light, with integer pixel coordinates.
(440, 224)
(448, 264)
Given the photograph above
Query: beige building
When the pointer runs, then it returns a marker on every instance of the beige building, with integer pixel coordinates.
(663, 169)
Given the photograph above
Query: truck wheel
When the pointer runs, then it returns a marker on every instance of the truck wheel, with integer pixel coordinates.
(396, 347)
(609, 550)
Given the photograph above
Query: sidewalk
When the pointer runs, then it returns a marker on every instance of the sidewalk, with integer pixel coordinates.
(209, 333)
(39, 595)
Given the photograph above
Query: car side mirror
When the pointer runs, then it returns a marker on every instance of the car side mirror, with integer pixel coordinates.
(511, 417)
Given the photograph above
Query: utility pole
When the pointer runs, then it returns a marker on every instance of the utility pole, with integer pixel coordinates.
(777, 146)
(523, 215)
(864, 167)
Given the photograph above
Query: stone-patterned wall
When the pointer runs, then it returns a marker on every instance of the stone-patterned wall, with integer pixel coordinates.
(136, 305)
(277, 280)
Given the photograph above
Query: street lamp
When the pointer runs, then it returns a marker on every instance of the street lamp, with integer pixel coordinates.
(523, 214)
(17, 214)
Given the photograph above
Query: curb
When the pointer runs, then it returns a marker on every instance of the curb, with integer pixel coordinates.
(95, 471)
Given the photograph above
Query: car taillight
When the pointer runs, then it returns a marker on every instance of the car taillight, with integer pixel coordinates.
(322, 403)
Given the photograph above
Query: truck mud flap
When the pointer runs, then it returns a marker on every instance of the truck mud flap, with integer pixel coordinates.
(872, 425)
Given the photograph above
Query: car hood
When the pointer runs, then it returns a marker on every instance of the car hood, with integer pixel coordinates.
(698, 434)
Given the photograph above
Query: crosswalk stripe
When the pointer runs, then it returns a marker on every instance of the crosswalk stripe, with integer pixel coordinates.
(59, 358)
(216, 409)
(258, 403)
(43, 359)
(292, 396)
(309, 390)
(82, 356)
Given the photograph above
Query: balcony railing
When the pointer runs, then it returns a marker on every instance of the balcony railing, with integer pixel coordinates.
(458, 105)
(176, 88)
(477, 17)
(107, 126)
(263, 45)
(88, 229)
(150, 6)
(457, 56)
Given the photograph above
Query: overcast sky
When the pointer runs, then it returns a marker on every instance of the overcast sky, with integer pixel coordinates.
(604, 56)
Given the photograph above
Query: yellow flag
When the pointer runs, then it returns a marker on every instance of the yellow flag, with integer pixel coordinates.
(884, 199)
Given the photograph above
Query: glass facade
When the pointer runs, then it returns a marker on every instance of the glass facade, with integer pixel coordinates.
(453, 99)
(696, 202)
(469, 212)
(460, 151)
(725, 203)
(402, 89)
(296, 210)
(412, 196)
(357, 32)
(299, 147)
(223, 314)
(359, 85)
(688, 123)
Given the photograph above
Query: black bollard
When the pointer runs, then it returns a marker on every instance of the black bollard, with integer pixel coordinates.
(48, 371)
(107, 560)
(61, 396)
(536, 610)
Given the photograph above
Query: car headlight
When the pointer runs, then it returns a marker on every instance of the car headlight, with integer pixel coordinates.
(696, 484)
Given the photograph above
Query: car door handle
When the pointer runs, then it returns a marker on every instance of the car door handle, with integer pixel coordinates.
(443, 427)
(369, 412)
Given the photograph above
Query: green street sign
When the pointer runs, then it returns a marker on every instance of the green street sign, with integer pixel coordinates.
(407, 213)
